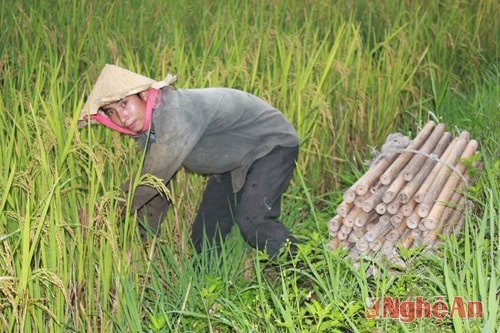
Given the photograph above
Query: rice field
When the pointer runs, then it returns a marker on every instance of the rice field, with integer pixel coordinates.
(345, 73)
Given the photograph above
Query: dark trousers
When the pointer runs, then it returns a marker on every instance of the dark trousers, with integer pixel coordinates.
(255, 208)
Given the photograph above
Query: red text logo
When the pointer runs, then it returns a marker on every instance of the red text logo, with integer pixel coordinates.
(409, 310)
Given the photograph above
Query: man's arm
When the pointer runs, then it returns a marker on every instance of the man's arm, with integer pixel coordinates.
(177, 134)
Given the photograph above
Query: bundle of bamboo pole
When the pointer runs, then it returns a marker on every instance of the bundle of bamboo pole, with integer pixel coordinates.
(408, 197)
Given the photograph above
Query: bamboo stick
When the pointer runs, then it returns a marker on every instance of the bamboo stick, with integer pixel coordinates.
(374, 199)
(417, 238)
(459, 201)
(349, 196)
(353, 238)
(418, 160)
(344, 208)
(416, 234)
(368, 179)
(381, 208)
(362, 219)
(345, 229)
(406, 239)
(429, 180)
(407, 209)
(375, 246)
(393, 207)
(432, 235)
(395, 260)
(371, 176)
(458, 225)
(354, 256)
(362, 245)
(422, 227)
(372, 223)
(403, 158)
(375, 232)
(372, 271)
(357, 229)
(387, 247)
(413, 185)
(447, 191)
(360, 199)
(384, 219)
(351, 216)
(342, 235)
(375, 188)
(413, 221)
(442, 176)
(334, 224)
(396, 220)
(333, 244)
(393, 190)
(458, 218)
(396, 233)
(452, 225)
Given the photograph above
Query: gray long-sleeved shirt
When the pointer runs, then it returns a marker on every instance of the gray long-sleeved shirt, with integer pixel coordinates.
(211, 131)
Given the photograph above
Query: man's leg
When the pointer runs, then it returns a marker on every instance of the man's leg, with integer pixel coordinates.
(259, 202)
(216, 213)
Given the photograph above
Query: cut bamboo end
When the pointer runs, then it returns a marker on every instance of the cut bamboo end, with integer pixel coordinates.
(404, 197)
(362, 245)
(393, 207)
(362, 189)
(396, 220)
(334, 224)
(344, 208)
(388, 196)
(429, 223)
(345, 229)
(413, 221)
(423, 209)
(349, 196)
(342, 235)
(381, 208)
(407, 209)
(353, 238)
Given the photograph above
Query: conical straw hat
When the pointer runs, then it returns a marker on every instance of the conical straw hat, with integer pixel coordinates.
(115, 83)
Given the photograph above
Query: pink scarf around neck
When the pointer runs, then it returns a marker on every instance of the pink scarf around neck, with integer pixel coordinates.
(154, 99)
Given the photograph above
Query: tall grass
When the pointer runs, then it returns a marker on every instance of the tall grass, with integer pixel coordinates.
(346, 74)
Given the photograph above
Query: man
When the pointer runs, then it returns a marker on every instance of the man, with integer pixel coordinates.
(247, 147)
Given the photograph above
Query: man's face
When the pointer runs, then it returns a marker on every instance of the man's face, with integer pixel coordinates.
(128, 112)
